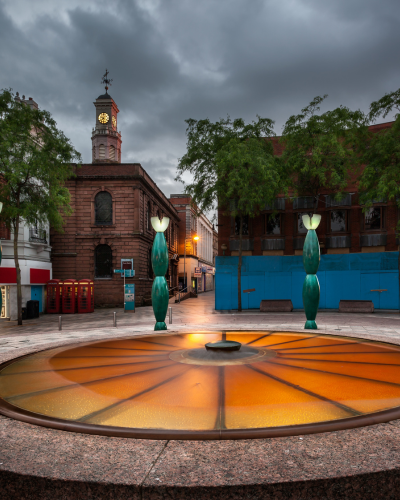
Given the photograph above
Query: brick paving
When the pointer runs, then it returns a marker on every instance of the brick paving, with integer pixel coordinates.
(39, 462)
(192, 313)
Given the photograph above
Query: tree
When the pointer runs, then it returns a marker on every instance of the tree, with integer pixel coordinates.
(380, 156)
(319, 149)
(233, 168)
(35, 162)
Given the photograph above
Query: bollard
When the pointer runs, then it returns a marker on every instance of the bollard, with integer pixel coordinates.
(170, 315)
(60, 323)
(115, 320)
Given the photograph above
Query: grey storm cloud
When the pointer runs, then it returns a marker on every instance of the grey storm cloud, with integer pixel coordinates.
(172, 60)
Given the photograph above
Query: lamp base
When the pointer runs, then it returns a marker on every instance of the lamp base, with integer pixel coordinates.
(160, 325)
(310, 325)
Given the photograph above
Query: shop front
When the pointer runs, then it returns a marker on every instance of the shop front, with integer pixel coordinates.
(206, 281)
(32, 287)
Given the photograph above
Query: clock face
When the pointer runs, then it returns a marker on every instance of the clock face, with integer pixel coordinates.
(103, 117)
(114, 122)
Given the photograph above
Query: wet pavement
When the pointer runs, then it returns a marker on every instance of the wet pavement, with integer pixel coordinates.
(197, 313)
(46, 463)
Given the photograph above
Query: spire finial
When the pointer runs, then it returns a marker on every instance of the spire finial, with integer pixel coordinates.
(106, 80)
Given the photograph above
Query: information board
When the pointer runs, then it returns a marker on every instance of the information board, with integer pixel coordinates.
(129, 298)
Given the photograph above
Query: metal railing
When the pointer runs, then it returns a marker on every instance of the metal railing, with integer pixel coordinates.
(37, 235)
(181, 291)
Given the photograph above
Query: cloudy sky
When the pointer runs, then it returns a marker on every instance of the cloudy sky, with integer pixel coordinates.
(176, 59)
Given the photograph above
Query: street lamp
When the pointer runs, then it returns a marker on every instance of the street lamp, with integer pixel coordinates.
(196, 238)
(159, 262)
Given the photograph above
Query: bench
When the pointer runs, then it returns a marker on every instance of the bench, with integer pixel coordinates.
(356, 306)
(276, 306)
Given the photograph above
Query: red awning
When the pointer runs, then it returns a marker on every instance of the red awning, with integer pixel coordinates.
(8, 275)
(40, 275)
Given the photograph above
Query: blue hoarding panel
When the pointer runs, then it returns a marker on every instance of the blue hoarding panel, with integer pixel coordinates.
(256, 281)
(341, 285)
(269, 286)
(244, 286)
(322, 289)
(297, 289)
(389, 284)
(341, 277)
(234, 291)
(369, 287)
(282, 285)
(223, 283)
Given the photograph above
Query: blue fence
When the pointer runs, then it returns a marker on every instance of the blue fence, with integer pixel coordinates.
(341, 277)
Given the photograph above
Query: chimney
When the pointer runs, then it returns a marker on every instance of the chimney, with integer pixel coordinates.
(30, 102)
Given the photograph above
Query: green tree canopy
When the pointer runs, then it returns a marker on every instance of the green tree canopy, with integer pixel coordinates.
(380, 154)
(319, 149)
(35, 162)
(233, 168)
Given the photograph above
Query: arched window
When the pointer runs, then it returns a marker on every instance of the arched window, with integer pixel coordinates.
(102, 152)
(103, 208)
(148, 216)
(103, 261)
(112, 153)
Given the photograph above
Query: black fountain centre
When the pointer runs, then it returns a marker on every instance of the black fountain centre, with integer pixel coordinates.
(223, 345)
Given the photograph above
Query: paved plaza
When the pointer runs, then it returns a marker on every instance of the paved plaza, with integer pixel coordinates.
(195, 313)
(47, 463)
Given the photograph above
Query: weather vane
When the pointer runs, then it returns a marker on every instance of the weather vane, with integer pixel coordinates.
(106, 80)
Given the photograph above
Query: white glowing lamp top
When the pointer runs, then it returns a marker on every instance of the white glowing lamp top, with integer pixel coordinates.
(159, 226)
(1, 206)
(311, 222)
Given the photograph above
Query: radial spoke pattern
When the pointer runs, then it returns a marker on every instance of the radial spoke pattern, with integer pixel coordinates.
(134, 383)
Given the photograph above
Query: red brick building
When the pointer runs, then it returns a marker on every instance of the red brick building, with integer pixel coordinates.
(113, 203)
(344, 228)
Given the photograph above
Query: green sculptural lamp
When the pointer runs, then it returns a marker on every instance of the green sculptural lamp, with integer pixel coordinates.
(311, 258)
(159, 262)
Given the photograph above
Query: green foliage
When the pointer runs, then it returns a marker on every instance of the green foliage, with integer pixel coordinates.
(319, 149)
(35, 162)
(247, 173)
(385, 105)
(380, 153)
(230, 160)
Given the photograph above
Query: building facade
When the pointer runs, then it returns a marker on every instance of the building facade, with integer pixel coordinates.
(194, 255)
(110, 228)
(35, 264)
(205, 250)
(344, 228)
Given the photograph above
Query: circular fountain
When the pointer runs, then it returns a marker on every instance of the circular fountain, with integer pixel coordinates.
(227, 385)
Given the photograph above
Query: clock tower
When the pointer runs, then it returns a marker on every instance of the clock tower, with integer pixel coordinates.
(106, 140)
